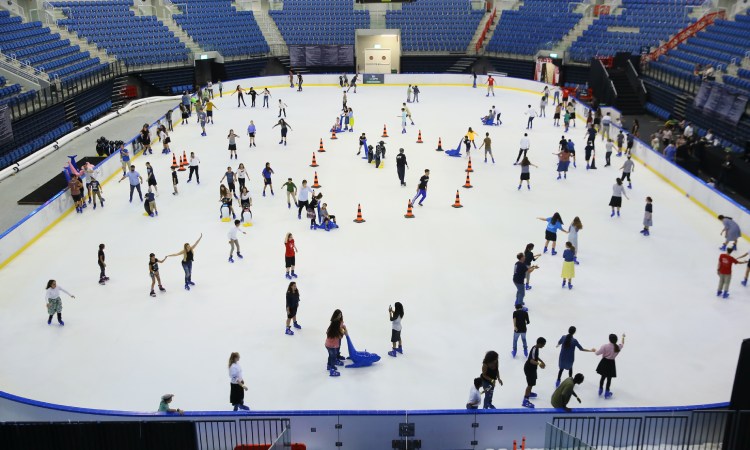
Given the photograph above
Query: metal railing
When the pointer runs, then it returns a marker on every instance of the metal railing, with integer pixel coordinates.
(25, 71)
(690, 84)
(227, 434)
(557, 439)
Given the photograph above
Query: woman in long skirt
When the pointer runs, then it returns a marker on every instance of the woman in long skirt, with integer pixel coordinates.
(567, 353)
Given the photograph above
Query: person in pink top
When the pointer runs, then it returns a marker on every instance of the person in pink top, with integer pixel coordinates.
(336, 330)
(606, 367)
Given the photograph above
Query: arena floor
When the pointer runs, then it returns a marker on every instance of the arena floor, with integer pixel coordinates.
(451, 269)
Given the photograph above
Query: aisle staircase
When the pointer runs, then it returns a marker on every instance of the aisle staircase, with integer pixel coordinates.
(472, 48)
(85, 46)
(169, 22)
(268, 27)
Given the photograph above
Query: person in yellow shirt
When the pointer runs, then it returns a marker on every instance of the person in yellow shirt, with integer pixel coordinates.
(471, 134)
(210, 111)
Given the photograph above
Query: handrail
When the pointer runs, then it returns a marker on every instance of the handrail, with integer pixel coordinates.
(6, 62)
(686, 33)
(486, 29)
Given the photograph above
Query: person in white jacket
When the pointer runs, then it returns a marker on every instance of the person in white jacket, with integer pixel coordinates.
(54, 302)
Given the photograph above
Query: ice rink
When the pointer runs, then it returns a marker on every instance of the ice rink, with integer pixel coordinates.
(451, 269)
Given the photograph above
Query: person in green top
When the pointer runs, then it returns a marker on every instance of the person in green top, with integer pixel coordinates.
(291, 190)
(561, 396)
(166, 399)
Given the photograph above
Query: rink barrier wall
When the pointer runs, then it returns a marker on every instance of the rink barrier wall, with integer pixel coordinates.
(711, 200)
(29, 229)
(367, 429)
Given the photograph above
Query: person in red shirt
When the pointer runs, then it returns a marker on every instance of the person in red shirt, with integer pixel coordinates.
(490, 86)
(291, 250)
(726, 260)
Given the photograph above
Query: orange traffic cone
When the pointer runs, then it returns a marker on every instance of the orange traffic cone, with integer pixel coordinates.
(523, 443)
(359, 218)
(457, 203)
(333, 134)
(183, 165)
(469, 169)
(174, 161)
(409, 214)
(385, 133)
(515, 446)
(467, 185)
(314, 162)
(321, 149)
(185, 161)
(419, 137)
(440, 145)
(315, 182)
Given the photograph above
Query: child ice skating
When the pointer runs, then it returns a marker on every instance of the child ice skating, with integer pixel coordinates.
(233, 241)
(530, 370)
(237, 386)
(554, 224)
(153, 271)
(618, 191)
(336, 330)
(246, 203)
(627, 168)
(54, 302)
(290, 250)
(648, 217)
(266, 173)
(422, 188)
(573, 230)
(569, 267)
(232, 137)
(225, 198)
(724, 270)
(291, 193)
(396, 313)
(292, 304)
(487, 144)
(475, 395)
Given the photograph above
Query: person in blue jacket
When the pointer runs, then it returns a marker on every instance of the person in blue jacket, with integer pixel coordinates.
(554, 224)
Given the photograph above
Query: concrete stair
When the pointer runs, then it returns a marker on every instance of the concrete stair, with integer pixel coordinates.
(93, 50)
(268, 27)
(573, 35)
(471, 49)
(169, 22)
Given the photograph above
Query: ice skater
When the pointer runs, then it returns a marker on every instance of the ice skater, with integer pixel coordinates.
(648, 218)
(237, 386)
(292, 304)
(618, 191)
(96, 192)
(403, 120)
(627, 168)
(304, 198)
(475, 395)
(246, 203)
(336, 330)
(525, 173)
(401, 166)
(266, 96)
(731, 232)
(569, 266)
(251, 130)
(520, 272)
(290, 251)
(531, 114)
(151, 179)
(408, 112)
(232, 137)
(607, 367)
(233, 241)
(562, 394)
(573, 230)
(556, 116)
(490, 86)
(202, 121)
(572, 151)
(395, 314)
(312, 210)
(724, 270)
(524, 145)
(415, 91)
(590, 155)
(187, 253)
(210, 110)
(563, 163)
(282, 108)
(54, 302)
(533, 362)
(520, 321)
(230, 176)
(422, 187)
(291, 193)
(76, 192)
(467, 143)
(554, 224)
(408, 94)
(240, 96)
(542, 107)
(135, 182)
(175, 181)
(149, 204)
(362, 144)
(153, 271)
(567, 353)
(529, 258)
(490, 375)
(266, 173)
(284, 125)
(225, 198)
(101, 261)
(242, 176)
(193, 166)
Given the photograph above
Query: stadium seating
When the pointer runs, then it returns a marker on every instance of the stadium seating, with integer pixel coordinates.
(538, 24)
(651, 21)
(34, 44)
(436, 25)
(217, 26)
(30, 147)
(92, 114)
(320, 22)
(155, 43)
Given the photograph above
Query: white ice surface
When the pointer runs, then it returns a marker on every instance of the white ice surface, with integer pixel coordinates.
(451, 268)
